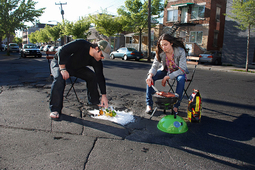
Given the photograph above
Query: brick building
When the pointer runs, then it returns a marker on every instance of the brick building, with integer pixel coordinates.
(200, 23)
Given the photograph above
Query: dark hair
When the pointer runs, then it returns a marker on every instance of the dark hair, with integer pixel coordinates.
(176, 43)
(94, 45)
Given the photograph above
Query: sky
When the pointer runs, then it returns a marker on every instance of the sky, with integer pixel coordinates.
(74, 9)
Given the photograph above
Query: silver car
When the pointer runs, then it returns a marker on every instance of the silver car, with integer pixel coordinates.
(212, 57)
(13, 47)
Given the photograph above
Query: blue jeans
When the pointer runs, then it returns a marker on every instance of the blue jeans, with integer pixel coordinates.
(58, 86)
(160, 75)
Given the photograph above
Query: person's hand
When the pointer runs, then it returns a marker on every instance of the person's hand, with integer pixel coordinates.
(164, 80)
(149, 81)
(65, 74)
(104, 101)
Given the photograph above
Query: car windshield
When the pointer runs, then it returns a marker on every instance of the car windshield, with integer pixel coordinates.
(131, 49)
(208, 52)
(13, 44)
(29, 46)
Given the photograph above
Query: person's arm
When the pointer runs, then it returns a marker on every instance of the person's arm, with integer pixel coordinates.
(98, 67)
(152, 72)
(64, 54)
(64, 72)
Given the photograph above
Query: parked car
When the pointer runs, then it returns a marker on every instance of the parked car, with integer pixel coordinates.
(126, 54)
(53, 48)
(3, 47)
(41, 48)
(46, 47)
(30, 50)
(213, 57)
(12, 47)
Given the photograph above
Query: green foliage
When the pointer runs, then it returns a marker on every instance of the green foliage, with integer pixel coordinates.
(134, 14)
(77, 29)
(15, 12)
(32, 37)
(107, 24)
(42, 36)
(17, 40)
(54, 32)
(244, 13)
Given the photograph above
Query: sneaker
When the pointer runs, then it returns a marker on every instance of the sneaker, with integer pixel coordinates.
(148, 110)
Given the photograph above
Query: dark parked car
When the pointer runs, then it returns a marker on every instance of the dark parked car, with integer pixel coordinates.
(2, 47)
(126, 54)
(213, 57)
(30, 50)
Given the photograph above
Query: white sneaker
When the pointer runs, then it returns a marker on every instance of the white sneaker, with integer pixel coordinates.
(148, 110)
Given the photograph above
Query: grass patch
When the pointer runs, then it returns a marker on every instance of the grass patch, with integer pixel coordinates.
(244, 71)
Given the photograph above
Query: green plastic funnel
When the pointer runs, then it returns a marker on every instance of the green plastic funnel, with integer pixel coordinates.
(170, 124)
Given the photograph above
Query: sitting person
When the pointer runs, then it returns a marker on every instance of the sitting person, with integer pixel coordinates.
(73, 59)
(171, 53)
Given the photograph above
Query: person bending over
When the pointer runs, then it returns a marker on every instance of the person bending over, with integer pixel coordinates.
(73, 59)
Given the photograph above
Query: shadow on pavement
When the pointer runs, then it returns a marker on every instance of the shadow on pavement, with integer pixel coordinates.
(218, 137)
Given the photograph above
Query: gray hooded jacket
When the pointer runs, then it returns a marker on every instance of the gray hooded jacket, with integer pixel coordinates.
(179, 59)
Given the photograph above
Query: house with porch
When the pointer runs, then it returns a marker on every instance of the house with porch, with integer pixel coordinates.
(200, 23)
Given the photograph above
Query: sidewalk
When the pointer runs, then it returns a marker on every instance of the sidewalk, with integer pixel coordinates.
(237, 69)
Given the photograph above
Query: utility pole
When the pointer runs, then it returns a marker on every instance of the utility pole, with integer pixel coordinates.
(62, 11)
(63, 39)
(149, 31)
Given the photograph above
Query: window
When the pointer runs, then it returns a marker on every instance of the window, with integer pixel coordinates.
(215, 38)
(172, 15)
(129, 40)
(196, 37)
(197, 11)
(182, 33)
(218, 14)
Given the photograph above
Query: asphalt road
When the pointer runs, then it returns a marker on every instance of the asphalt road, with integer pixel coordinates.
(30, 140)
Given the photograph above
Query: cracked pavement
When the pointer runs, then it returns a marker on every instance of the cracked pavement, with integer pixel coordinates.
(29, 139)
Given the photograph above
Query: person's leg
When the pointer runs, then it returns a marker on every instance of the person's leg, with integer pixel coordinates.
(92, 88)
(57, 88)
(150, 90)
(179, 89)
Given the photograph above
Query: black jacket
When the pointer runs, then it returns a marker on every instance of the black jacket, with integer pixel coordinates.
(75, 55)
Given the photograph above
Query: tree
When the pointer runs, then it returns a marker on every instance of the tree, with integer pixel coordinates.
(14, 13)
(243, 11)
(32, 37)
(54, 32)
(107, 24)
(134, 15)
(42, 36)
(17, 40)
(77, 29)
